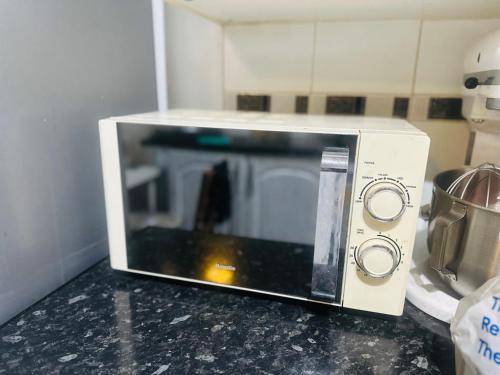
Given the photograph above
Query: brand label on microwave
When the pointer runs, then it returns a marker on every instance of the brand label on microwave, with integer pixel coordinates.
(225, 267)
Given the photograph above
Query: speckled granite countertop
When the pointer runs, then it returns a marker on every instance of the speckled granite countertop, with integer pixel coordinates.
(108, 322)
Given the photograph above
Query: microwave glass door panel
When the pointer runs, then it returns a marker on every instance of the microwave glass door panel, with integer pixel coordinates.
(260, 210)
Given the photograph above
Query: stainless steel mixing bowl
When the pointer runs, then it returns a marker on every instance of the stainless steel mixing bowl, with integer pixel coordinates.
(464, 227)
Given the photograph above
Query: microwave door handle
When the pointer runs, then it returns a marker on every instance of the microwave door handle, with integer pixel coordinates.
(329, 223)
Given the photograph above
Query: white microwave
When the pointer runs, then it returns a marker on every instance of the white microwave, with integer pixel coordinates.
(316, 208)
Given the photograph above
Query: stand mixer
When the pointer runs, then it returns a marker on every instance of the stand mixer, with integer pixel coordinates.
(432, 287)
(481, 98)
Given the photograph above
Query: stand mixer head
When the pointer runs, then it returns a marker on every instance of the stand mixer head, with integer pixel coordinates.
(481, 89)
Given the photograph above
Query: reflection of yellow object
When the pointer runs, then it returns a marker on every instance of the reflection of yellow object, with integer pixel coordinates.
(219, 271)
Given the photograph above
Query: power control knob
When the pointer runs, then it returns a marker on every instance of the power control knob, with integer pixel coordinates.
(385, 202)
(378, 257)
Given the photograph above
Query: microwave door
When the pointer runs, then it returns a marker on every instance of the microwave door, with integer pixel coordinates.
(328, 243)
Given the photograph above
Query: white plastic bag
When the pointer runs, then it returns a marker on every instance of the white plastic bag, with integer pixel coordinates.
(475, 330)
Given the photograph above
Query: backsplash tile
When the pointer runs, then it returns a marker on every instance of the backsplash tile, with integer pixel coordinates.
(372, 57)
(445, 108)
(282, 103)
(418, 108)
(345, 105)
(317, 104)
(414, 108)
(490, 152)
(230, 101)
(441, 155)
(442, 51)
(379, 105)
(268, 57)
(301, 104)
(405, 69)
(400, 107)
(260, 103)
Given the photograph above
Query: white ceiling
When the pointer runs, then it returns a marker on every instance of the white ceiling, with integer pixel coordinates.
(238, 11)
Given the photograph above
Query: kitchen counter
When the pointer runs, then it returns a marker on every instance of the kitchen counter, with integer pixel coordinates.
(110, 322)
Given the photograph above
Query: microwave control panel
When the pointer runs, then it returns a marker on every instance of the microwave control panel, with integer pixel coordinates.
(387, 189)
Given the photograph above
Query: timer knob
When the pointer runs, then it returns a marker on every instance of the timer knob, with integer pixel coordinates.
(385, 202)
(377, 257)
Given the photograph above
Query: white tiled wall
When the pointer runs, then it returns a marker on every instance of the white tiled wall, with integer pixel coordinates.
(283, 103)
(379, 105)
(365, 57)
(377, 59)
(442, 52)
(268, 57)
(358, 57)
(317, 103)
(194, 60)
(449, 141)
(491, 152)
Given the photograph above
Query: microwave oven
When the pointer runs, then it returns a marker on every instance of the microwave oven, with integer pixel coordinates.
(316, 208)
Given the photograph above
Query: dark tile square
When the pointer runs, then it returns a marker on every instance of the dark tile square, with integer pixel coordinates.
(445, 108)
(260, 103)
(345, 105)
(301, 104)
(400, 108)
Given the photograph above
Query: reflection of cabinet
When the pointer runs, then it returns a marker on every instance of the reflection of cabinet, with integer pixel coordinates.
(273, 198)
(184, 169)
(283, 201)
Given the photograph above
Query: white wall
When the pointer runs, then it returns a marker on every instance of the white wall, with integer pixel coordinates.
(398, 57)
(194, 60)
(63, 66)
(442, 53)
(365, 57)
(260, 58)
(378, 59)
